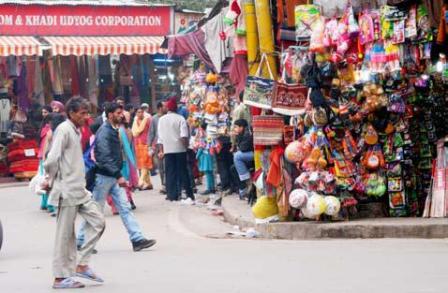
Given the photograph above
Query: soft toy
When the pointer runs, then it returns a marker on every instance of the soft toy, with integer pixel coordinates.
(330, 33)
(211, 105)
(235, 16)
(343, 41)
(316, 160)
(211, 78)
(317, 43)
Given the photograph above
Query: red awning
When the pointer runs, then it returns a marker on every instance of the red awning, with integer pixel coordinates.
(19, 46)
(79, 46)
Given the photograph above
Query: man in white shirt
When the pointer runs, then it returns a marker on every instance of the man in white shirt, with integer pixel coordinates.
(173, 141)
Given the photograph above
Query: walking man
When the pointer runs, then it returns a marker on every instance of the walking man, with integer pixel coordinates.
(109, 180)
(173, 141)
(64, 166)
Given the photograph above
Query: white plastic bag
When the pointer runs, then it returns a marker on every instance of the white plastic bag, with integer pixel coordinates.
(36, 184)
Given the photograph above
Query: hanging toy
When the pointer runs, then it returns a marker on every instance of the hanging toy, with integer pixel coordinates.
(211, 78)
(211, 105)
(371, 137)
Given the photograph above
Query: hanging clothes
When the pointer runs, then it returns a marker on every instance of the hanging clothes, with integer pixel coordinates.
(38, 90)
(217, 50)
(82, 72)
(54, 66)
(74, 75)
(5, 109)
(92, 75)
(238, 72)
(135, 77)
(30, 64)
(22, 91)
(12, 65)
(191, 43)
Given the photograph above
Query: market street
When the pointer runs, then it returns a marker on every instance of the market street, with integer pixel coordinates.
(189, 258)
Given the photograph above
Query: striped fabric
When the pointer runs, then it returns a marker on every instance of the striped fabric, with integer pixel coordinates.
(268, 130)
(19, 46)
(79, 46)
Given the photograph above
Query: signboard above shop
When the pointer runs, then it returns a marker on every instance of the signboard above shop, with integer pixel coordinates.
(85, 20)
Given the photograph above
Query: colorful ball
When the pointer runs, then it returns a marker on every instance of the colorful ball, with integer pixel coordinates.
(315, 205)
(333, 205)
(292, 152)
(298, 198)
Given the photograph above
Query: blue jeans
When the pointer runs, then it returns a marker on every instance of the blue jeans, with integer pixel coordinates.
(241, 160)
(105, 185)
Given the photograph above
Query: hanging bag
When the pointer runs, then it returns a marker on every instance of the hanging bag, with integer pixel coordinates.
(289, 99)
(268, 130)
(306, 17)
(258, 91)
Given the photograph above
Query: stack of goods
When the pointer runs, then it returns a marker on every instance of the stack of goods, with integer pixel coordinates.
(22, 156)
(206, 100)
(4, 170)
(367, 132)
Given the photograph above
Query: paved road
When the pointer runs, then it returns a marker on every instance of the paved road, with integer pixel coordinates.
(189, 258)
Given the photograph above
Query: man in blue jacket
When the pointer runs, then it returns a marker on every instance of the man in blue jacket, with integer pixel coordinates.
(109, 180)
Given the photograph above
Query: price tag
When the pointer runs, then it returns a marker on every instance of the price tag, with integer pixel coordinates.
(30, 153)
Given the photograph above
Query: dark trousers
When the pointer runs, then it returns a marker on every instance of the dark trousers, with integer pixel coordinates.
(227, 174)
(176, 176)
(191, 160)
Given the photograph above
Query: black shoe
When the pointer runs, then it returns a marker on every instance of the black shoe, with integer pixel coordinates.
(143, 244)
(133, 206)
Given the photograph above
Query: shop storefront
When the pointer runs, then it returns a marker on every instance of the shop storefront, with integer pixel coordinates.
(52, 50)
(349, 104)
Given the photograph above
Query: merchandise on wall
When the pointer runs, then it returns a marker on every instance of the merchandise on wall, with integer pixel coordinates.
(366, 105)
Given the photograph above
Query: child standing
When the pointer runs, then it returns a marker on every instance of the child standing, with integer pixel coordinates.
(205, 158)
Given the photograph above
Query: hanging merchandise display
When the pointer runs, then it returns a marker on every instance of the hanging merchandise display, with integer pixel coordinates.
(366, 107)
(258, 91)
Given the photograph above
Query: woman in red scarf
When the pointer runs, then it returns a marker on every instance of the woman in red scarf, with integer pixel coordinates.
(140, 130)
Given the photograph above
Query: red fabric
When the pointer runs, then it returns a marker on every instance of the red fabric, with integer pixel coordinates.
(274, 177)
(19, 155)
(24, 166)
(22, 144)
(238, 72)
(191, 43)
(86, 133)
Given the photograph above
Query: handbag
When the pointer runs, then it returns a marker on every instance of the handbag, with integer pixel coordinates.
(289, 99)
(267, 130)
(258, 91)
(306, 15)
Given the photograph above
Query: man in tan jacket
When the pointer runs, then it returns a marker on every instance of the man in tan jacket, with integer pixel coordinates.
(64, 167)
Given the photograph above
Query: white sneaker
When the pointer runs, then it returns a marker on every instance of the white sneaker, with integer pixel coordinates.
(188, 202)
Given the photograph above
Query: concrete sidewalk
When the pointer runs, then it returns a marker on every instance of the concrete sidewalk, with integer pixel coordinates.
(239, 213)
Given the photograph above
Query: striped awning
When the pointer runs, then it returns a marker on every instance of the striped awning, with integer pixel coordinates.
(79, 46)
(19, 46)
